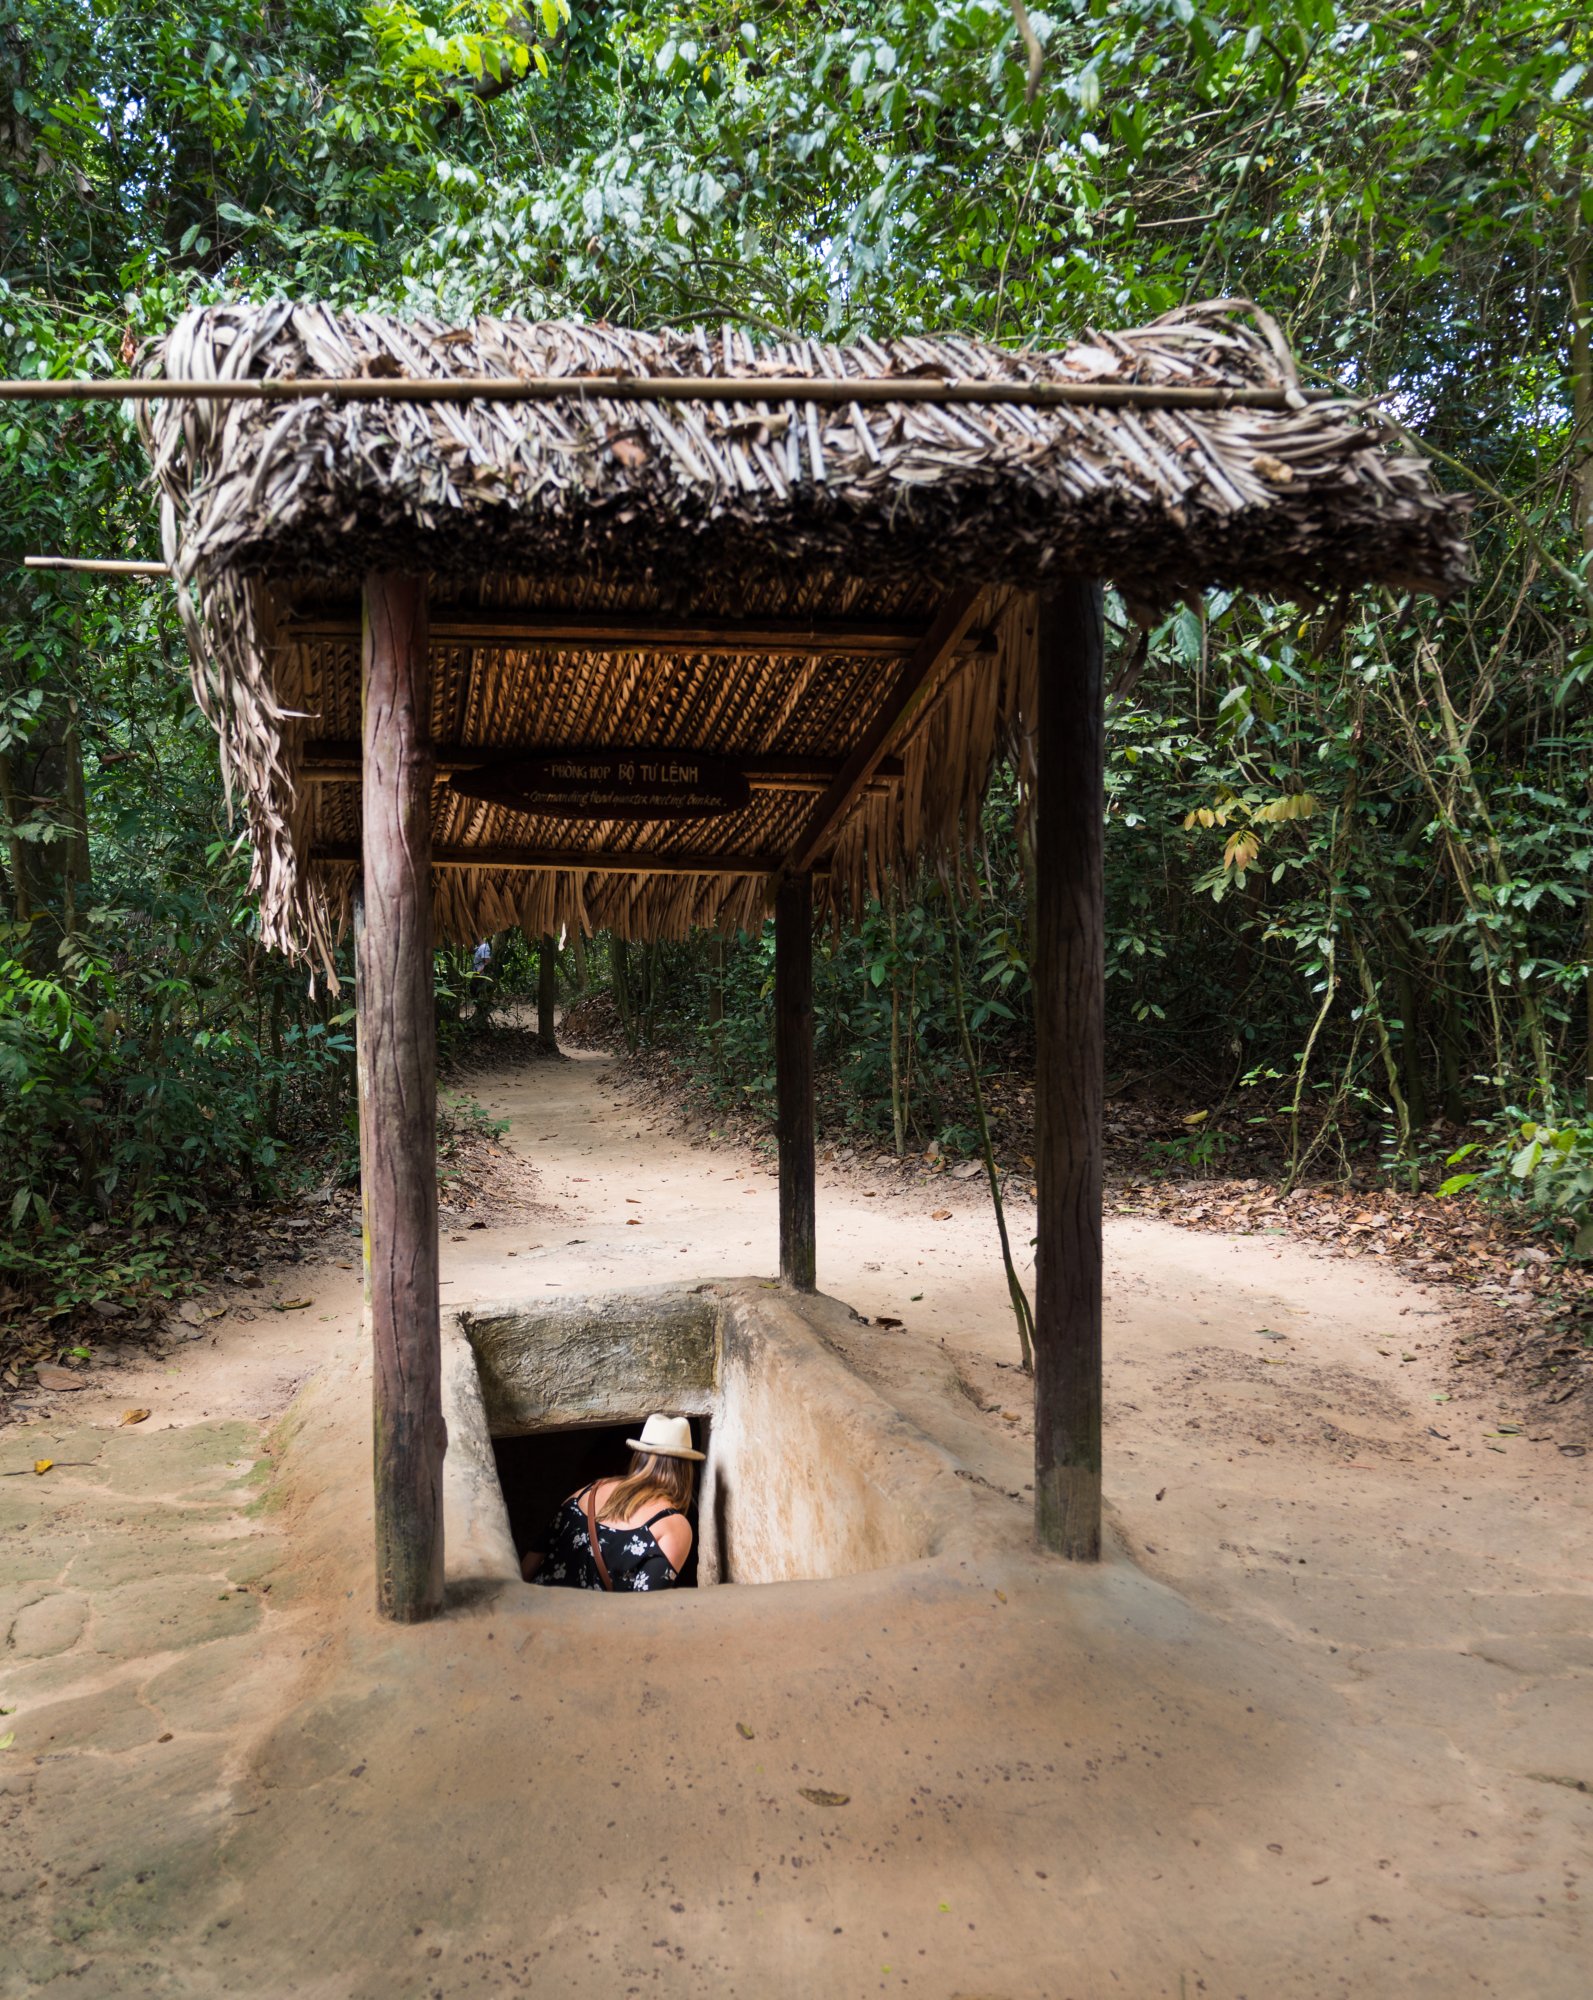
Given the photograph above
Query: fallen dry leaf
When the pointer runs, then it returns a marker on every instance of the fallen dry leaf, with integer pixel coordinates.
(633, 1222)
(743, 1730)
(51, 1377)
(42, 1465)
(940, 1215)
(817, 1798)
(133, 1416)
(293, 1305)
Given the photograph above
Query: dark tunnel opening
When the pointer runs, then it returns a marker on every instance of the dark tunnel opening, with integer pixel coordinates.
(537, 1473)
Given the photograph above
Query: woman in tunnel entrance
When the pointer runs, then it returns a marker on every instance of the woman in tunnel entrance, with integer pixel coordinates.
(630, 1532)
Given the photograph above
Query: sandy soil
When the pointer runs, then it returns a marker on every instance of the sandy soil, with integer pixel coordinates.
(1320, 1725)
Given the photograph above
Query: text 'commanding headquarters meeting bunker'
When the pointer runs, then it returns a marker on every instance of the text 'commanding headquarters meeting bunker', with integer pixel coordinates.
(559, 625)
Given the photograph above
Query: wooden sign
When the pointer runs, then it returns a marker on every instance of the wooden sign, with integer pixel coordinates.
(609, 784)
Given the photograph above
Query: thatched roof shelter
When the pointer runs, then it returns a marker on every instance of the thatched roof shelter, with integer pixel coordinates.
(559, 625)
(746, 579)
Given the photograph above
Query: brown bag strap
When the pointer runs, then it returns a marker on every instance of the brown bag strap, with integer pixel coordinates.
(592, 1537)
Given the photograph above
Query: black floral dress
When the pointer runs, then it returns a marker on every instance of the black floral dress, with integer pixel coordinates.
(635, 1561)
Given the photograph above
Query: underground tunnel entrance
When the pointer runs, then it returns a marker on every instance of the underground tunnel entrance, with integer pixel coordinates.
(808, 1473)
(537, 1472)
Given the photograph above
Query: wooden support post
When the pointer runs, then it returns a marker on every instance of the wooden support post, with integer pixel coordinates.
(547, 995)
(1070, 1008)
(398, 1101)
(793, 1063)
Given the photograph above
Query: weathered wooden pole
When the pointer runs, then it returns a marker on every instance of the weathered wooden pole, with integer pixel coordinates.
(793, 1065)
(547, 995)
(398, 1100)
(1070, 1011)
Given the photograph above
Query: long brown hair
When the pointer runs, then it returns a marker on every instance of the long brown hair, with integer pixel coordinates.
(652, 1476)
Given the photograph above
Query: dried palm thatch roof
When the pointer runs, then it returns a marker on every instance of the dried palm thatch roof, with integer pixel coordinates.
(570, 540)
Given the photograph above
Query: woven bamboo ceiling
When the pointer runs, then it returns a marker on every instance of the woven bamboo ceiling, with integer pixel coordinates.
(832, 598)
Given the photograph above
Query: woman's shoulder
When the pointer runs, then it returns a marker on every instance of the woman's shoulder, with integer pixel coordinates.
(673, 1536)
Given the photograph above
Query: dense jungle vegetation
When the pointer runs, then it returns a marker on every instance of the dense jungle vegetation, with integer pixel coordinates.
(1349, 846)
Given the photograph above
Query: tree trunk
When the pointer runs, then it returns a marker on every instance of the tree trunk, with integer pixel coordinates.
(547, 995)
(16, 862)
(1070, 1007)
(41, 782)
(1579, 272)
(620, 980)
(898, 1122)
(78, 876)
(398, 1101)
(793, 1062)
(1410, 1047)
(1581, 288)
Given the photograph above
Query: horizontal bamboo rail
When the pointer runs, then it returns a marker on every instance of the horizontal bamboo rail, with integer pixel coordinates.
(669, 389)
(98, 565)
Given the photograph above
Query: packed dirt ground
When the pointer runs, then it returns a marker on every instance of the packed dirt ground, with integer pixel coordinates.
(1318, 1726)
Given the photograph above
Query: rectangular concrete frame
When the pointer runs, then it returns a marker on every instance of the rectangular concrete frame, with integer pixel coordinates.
(810, 1473)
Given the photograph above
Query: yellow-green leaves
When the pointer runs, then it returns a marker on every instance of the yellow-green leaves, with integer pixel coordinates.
(1242, 849)
(1293, 805)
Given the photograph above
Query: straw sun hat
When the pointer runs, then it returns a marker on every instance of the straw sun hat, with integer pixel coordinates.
(668, 1437)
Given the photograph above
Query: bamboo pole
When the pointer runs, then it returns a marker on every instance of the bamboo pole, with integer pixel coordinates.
(398, 1103)
(1070, 1011)
(757, 389)
(98, 565)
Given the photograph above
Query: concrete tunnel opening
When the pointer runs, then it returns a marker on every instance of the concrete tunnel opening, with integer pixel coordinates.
(808, 1474)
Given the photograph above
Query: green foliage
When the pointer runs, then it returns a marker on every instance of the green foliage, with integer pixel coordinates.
(1550, 1167)
(142, 1087)
(887, 1037)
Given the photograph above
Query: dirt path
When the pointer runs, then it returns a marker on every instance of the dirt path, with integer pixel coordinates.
(1320, 1726)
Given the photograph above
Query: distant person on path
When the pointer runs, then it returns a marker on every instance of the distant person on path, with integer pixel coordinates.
(481, 975)
(615, 1534)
